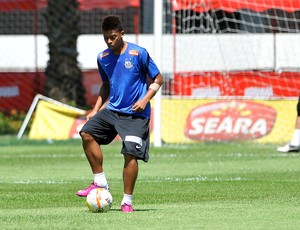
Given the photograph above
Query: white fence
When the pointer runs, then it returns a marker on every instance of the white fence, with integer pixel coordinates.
(206, 52)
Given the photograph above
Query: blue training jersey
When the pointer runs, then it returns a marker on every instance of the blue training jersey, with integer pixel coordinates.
(127, 74)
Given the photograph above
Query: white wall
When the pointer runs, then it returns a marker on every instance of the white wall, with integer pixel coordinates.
(205, 52)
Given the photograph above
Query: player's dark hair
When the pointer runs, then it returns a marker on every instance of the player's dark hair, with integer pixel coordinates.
(112, 22)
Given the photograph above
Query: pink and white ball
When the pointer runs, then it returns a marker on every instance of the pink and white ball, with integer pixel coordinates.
(99, 200)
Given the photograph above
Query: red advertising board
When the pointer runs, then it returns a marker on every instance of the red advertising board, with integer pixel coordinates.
(7, 5)
(92, 83)
(17, 90)
(234, 5)
(251, 83)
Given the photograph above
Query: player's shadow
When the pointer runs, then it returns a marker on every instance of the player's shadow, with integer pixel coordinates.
(135, 210)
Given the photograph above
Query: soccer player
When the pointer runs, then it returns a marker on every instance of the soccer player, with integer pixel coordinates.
(130, 79)
(294, 145)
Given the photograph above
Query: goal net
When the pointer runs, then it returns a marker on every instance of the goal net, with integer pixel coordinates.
(235, 70)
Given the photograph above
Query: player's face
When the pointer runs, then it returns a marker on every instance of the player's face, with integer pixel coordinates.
(114, 40)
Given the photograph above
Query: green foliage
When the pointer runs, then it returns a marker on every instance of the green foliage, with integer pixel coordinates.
(10, 123)
(205, 186)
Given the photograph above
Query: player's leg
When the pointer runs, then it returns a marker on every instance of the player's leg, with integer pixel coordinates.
(95, 157)
(294, 145)
(95, 132)
(134, 132)
(296, 135)
(93, 152)
(130, 174)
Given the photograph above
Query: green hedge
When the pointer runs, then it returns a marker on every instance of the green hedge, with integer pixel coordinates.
(11, 122)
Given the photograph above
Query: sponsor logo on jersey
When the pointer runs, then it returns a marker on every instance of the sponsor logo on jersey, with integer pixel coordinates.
(133, 52)
(104, 54)
(230, 120)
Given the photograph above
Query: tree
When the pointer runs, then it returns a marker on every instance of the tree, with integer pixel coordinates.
(63, 76)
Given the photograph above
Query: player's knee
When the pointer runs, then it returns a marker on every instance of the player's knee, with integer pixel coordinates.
(86, 137)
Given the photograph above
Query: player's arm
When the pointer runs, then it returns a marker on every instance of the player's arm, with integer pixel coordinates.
(140, 105)
(101, 100)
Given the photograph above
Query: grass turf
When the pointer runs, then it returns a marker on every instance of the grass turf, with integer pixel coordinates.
(205, 186)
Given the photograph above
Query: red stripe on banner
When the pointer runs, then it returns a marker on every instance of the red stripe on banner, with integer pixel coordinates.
(234, 5)
(111, 4)
(27, 5)
(285, 84)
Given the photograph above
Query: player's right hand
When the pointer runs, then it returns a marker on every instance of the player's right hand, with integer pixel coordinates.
(91, 114)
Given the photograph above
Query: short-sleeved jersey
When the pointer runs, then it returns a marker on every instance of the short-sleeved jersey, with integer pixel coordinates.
(127, 75)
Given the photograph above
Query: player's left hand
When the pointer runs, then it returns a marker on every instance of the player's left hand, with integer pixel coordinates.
(139, 106)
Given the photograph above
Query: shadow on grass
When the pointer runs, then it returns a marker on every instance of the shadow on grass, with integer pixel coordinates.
(135, 210)
(119, 210)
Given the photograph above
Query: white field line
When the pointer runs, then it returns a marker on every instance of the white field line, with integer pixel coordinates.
(158, 180)
(37, 182)
(286, 155)
(196, 179)
(8, 156)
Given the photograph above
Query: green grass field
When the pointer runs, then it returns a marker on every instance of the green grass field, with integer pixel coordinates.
(205, 186)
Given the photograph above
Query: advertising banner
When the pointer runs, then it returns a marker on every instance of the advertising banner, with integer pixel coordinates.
(186, 121)
(17, 90)
(56, 122)
(249, 84)
(201, 120)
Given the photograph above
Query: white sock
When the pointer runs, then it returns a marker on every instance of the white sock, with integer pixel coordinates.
(296, 138)
(100, 179)
(126, 199)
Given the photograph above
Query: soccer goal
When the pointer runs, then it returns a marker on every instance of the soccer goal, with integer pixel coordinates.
(235, 68)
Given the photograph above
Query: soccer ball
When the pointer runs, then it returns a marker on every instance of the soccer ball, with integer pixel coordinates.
(99, 200)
